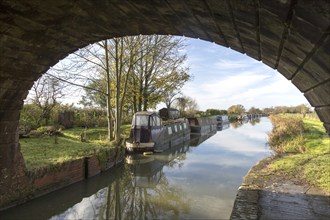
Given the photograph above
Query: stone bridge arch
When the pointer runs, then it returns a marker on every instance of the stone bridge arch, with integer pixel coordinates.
(291, 36)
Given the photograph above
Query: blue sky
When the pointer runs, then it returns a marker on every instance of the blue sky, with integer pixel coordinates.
(223, 77)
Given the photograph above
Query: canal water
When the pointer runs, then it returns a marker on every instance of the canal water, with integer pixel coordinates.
(197, 180)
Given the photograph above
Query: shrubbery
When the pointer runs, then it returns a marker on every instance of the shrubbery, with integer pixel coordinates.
(31, 117)
(89, 117)
(285, 130)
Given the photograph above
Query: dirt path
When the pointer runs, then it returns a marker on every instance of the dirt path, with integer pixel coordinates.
(268, 195)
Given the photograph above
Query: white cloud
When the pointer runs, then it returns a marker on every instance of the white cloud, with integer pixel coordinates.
(224, 80)
(225, 64)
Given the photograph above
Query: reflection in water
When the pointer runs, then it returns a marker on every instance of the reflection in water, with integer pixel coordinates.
(184, 182)
(196, 139)
(224, 126)
(240, 123)
(141, 192)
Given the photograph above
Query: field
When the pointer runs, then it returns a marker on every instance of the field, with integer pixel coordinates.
(44, 152)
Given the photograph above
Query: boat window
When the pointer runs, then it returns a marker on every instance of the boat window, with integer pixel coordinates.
(153, 121)
(175, 128)
(184, 126)
(158, 121)
(169, 130)
(141, 120)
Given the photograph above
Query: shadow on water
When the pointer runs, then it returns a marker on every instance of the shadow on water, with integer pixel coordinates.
(153, 186)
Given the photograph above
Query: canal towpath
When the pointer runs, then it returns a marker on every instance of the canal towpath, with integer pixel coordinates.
(267, 195)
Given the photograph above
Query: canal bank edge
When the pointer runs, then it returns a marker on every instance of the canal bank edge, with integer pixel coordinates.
(247, 198)
(46, 180)
(262, 189)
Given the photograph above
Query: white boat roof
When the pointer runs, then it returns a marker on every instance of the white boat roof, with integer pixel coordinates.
(145, 113)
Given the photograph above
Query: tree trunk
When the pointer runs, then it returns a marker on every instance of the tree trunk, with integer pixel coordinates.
(110, 129)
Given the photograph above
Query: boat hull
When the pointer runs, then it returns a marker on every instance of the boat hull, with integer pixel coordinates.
(139, 147)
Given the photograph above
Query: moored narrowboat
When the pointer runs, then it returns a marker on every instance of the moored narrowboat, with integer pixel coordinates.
(149, 133)
(202, 125)
(222, 119)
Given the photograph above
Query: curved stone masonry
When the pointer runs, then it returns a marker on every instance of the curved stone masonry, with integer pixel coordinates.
(290, 36)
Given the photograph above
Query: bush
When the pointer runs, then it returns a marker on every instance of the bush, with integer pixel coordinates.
(286, 135)
(90, 118)
(50, 130)
(35, 133)
(30, 117)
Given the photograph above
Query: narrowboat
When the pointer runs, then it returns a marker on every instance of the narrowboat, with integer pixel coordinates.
(202, 125)
(222, 119)
(150, 133)
(222, 122)
(221, 127)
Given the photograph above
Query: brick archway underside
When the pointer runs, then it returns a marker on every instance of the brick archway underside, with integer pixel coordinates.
(290, 36)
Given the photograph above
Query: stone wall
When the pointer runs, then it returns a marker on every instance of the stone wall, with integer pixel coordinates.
(290, 36)
(66, 174)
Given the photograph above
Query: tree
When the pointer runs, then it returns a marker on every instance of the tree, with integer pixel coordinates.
(95, 97)
(125, 52)
(236, 109)
(46, 93)
(160, 71)
(30, 117)
(181, 104)
(254, 111)
(303, 109)
(138, 70)
(213, 112)
(191, 107)
(90, 66)
(186, 105)
(169, 98)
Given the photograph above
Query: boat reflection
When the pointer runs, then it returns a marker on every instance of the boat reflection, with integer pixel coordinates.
(196, 139)
(141, 191)
(224, 126)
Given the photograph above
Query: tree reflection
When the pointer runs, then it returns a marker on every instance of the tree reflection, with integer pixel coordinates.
(147, 194)
(254, 121)
(239, 123)
(139, 191)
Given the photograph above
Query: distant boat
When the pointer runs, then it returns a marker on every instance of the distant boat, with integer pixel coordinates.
(202, 125)
(243, 118)
(223, 126)
(150, 133)
(222, 119)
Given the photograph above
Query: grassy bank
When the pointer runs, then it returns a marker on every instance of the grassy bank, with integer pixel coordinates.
(304, 149)
(43, 152)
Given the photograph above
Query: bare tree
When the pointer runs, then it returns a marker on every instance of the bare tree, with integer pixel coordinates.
(159, 72)
(46, 94)
(186, 105)
(169, 98)
(90, 66)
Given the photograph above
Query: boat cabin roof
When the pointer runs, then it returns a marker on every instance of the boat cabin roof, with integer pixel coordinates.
(145, 113)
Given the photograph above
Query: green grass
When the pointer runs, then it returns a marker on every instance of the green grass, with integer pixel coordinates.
(313, 165)
(42, 151)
